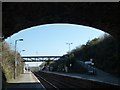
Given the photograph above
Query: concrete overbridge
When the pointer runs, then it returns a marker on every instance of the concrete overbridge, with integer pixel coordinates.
(39, 58)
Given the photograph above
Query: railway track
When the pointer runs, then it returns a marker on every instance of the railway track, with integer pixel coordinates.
(51, 83)
(48, 85)
(58, 82)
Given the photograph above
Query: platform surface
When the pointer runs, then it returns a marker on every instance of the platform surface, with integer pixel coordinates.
(25, 81)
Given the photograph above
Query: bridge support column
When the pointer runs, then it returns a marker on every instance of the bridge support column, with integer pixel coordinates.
(0, 76)
(119, 56)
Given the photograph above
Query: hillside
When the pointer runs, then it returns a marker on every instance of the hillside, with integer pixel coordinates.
(103, 51)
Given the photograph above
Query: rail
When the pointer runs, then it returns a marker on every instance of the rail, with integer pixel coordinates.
(60, 81)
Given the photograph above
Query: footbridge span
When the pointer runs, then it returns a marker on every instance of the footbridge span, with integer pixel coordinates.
(39, 58)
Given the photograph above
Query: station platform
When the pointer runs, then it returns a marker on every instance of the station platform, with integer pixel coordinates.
(99, 77)
(25, 81)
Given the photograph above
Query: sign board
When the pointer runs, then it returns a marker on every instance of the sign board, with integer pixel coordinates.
(89, 62)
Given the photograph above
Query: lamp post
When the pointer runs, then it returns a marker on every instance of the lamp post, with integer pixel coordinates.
(69, 46)
(15, 65)
(69, 52)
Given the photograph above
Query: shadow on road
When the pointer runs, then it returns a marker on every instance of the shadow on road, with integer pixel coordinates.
(24, 86)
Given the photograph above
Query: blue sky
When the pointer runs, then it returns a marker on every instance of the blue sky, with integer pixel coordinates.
(51, 39)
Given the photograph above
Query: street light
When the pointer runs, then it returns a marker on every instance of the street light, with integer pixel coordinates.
(21, 51)
(69, 51)
(69, 46)
(16, 57)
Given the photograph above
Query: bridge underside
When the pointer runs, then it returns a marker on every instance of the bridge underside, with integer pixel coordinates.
(39, 58)
(18, 16)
